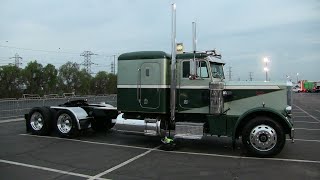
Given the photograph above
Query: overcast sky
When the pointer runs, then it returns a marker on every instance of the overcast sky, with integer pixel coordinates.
(286, 31)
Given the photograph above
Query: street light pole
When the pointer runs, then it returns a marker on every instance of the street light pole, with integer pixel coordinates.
(266, 60)
(297, 78)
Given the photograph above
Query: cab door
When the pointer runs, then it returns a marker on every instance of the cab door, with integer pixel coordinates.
(194, 93)
(150, 79)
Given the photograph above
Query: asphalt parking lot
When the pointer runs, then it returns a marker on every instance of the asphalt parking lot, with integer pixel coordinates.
(115, 155)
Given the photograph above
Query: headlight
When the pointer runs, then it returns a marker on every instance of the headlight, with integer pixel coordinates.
(288, 110)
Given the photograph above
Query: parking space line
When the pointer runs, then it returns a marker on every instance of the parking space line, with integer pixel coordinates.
(307, 129)
(11, 120)
(123, 164)
(89, 142)
(308, 113)
(306, 140)
(180, 152)
(306, 122)
(48, 169)
(243, 157)
(317, 110)
(300, 116)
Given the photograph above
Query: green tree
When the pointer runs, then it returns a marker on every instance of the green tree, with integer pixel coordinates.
(50, 79)
(33, 78)
(68, 77)
(100, 81)
(84, 82)
(10, 82)
(112, 84)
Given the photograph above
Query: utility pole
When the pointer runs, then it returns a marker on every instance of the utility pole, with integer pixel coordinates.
(87, 60)
(250, 76)
(17, 59)
(229, 72)
(114, 64)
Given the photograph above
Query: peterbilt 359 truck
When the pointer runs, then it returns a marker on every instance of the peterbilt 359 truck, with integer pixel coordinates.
(180, 96)
(257, 112)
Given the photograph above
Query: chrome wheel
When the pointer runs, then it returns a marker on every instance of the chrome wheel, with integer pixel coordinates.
(263, 137)
(64, 123)
(36, 121)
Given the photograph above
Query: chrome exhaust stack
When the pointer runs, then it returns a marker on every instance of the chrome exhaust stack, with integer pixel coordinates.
(148, 127)
(216, 98)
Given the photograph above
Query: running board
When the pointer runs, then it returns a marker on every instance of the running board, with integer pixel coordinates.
(188, 130)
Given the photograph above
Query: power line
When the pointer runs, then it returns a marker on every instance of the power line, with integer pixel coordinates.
(87, 60)
(53, 51)
(39, 50)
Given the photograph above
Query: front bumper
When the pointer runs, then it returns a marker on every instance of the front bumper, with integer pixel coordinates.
(292, 134)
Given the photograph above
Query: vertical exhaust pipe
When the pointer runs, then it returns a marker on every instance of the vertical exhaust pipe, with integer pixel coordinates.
(173, 66)
(194, 46)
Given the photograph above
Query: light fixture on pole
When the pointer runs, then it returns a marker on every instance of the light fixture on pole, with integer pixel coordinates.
(266, 69)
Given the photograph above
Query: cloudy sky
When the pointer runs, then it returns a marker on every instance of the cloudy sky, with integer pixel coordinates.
(57, 31)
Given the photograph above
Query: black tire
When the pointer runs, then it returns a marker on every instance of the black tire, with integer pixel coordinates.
(66, 124)
(269, 142)
(39, 121)
(101, 124)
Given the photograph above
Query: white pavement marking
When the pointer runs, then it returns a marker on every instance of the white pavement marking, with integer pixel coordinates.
(300, 116)
(306, 122)
(307, 129)
(48, 169)
(305, 140)
(243, 157)
(317, 110)
(190, 153)
(308, 114)
(11, 120)
(89, 142)
(123, 164)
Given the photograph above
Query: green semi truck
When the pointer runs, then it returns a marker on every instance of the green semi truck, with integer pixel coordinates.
(180, 96)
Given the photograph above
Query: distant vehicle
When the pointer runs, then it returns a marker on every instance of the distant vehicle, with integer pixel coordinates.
(317, 87)
(296, 89)
(307, 86)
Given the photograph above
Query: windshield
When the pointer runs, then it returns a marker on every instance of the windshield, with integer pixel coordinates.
(217, 70)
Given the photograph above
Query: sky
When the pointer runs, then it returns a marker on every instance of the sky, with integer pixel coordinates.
(244, 32)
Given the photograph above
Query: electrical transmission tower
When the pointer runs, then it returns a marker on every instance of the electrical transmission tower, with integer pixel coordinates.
(229, 73)
(250, 76)
(17, 59)
(87, 60)
(113, 65)
(112, 68)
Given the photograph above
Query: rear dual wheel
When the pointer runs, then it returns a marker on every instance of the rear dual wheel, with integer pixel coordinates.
(66, 124)
(39, 121)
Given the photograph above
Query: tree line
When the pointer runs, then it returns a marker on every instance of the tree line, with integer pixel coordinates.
(43, 80)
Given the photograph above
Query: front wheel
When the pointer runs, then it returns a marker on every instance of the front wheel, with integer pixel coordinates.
(263, 137)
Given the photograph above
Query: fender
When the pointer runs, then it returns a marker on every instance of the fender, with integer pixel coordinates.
(283, 120)
(78, 112)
